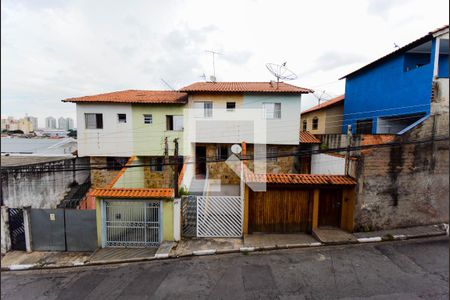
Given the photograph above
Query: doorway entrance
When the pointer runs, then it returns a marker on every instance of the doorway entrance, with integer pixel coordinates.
(200, 158)
(330, 208)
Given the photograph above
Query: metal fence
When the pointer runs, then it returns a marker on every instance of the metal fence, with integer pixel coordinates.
(16, 229)
(219, 216)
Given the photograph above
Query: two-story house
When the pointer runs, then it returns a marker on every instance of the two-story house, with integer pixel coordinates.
(263, 115)
(392, 93)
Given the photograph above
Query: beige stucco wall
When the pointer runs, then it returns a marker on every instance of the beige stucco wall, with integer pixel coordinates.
(330, 120)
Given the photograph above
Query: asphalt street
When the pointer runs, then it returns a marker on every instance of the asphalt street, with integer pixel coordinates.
(413, 269)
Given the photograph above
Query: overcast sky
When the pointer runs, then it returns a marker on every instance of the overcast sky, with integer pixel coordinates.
(51, 50)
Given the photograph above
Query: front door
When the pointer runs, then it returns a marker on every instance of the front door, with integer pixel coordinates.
(330, 206)
(200, 158)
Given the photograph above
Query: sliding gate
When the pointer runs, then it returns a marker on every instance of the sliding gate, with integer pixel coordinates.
(220, 216)
(132, 223)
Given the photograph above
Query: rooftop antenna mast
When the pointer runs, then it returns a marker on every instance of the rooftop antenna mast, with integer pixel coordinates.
(213, 78)
(281, 72)
(168, 85)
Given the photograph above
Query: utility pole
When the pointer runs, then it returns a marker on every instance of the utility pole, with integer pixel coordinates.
(175, 173)
(165, 166)
(347, 154)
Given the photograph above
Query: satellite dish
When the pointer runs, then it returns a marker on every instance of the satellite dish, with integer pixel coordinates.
(236, 149)
(281, 72)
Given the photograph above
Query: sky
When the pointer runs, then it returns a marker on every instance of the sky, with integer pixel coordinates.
(53, 50)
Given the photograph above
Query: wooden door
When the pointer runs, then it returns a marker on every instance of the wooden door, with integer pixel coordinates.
(330, 206)
(279, 211)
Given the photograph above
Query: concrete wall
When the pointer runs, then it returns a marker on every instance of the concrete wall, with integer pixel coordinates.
(39, 190)
(407, 185)
(327, 164)
(5, 237)
(105, 141)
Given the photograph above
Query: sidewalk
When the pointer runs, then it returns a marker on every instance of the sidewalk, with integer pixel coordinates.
(19, 260)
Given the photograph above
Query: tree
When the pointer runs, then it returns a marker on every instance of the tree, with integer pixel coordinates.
(72, 133)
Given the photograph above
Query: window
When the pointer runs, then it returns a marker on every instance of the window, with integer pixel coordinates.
(231, 106)
(223, 152)
(272, 110)
(272, 153)
(93, 121)
(115, 163)
(364, 126)
(305, 125)
(174, 123)
(315, 123)
(148, 119)
(122, 118)
(156, 164)
(203, 109)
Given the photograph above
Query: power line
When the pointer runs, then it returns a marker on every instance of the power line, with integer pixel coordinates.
(299, 153)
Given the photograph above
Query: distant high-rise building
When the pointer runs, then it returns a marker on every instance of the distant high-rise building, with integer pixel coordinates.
(62, 123)
(33, 120)
(50, 123)
(70, 123)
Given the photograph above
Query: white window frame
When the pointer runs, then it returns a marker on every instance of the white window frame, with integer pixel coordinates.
(91, 126)
(271, 111)
(201, 109)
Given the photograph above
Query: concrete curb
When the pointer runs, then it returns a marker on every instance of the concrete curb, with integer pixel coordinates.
(244, 250)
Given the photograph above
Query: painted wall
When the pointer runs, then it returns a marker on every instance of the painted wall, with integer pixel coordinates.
(104, 142)
(327, 164)
(245, 123)
(387, 90)
(149, 138)
(443, 66)
(330, 120)
(133, 177)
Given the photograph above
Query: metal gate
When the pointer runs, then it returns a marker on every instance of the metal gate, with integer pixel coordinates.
(132, 223)
(189, 216)
(219, 216)
(16, 229)
(48, 229)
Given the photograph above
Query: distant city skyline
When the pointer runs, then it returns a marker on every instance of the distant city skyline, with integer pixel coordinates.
(40, 123)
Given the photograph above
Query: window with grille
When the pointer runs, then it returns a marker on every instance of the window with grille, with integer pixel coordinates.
(272, 110)
(148, 119)
(272, 153)
(203, 109)
(93, 121)
(305, 125)
(223, 152)
(364, 126)
(315, 123)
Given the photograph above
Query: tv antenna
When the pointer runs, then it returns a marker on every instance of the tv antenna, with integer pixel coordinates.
(203, 76)
(213, 78)
(281, 72)
(168, 85)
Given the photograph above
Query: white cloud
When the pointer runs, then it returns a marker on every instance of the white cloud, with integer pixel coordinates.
(52, 50)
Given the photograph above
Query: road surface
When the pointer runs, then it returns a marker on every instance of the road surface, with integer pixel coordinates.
(414, 269)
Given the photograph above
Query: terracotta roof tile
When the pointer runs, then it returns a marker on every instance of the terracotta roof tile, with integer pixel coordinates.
(133, 193)
(302, 179)
(134, 96)
(249, 87)
(328, 103)
(308, 138)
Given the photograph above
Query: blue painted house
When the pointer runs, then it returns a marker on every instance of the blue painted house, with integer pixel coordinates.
(394, 92)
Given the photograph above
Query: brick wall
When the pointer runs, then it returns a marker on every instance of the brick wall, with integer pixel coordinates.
(407, 185)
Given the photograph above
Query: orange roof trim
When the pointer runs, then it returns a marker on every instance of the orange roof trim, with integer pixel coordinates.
(249, 87)
(133, 193)
(134, 96)
(308, 138)
(331, 102)
(304, 179)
